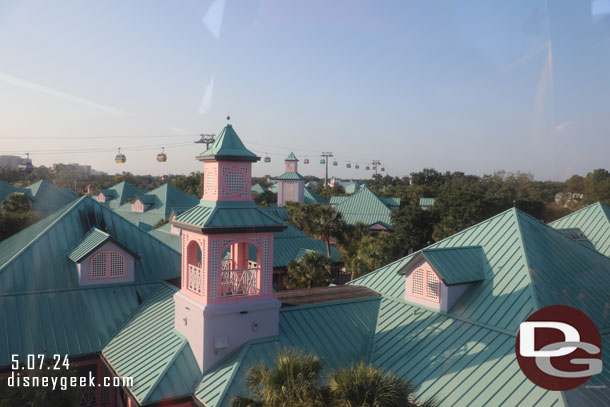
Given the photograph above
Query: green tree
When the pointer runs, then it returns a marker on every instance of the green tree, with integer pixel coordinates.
(292, 381)
(597, 186)
(190, 184)
(318, 221)
(373, 252)
(267, 198)
(312, 269)
(363, 385)
(348, 244)
(16, 203)
(16, 215)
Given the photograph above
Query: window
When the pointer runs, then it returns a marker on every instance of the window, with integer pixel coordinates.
(107, 264)
(418, 282)
(426, 285)
(235, 182)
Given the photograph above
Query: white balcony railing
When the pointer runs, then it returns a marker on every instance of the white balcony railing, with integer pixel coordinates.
(194, 278)
(236, 283)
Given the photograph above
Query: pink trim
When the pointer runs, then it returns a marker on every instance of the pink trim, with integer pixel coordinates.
(425, 285)
(107, 275)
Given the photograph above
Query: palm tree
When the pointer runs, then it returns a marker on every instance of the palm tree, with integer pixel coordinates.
(363, 385)
(312, 269)
(294, 380)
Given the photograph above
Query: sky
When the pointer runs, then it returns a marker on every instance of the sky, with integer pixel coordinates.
(472, 86)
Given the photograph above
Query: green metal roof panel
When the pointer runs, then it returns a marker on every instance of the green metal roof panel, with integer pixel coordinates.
(121, 193)
(391, 201)
(162, 200)
(458, 363)
(594, 222)
(320, 329)
(227, 217)
(72, 322)
(228, 143)
(457, 265)
(504, 299)
(564, 272)
(364, 206)
(6, 189)
(335, 199)
(172, 240)
(258, 189)
(92, 240)
(47, 198)
(290, 176)
(529, 265)
(218, 379)
(426, 201)
(311, 197)
(37, 258)
(291, 157)
(149, 349)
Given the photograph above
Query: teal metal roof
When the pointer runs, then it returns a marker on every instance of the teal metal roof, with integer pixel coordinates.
(426, 201)
(594, 222)
(46, 198)
(73, 322)
(94, 239)
(36, 258)
(232, 215)
(364, 206)
(258, 189)
(311, 197)
(273, 188)
(457, 362)
(162, 200)
(353, 187)
(528, 265)
(165, 235)
(229, 144)
(291, 157)
(321, 329)
(336, 199)
(454, 265)
(391, 201)
(290, 176)
(121, 193)
(150, 350)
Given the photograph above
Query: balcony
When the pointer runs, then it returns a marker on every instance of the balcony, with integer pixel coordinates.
(194, 278)
(238, 283)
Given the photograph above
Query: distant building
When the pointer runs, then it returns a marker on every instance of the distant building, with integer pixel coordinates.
(291, 184)
(366, 207)
(10, 161)
(74, 168)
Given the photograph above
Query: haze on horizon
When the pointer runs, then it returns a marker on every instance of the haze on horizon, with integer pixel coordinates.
(469, 86)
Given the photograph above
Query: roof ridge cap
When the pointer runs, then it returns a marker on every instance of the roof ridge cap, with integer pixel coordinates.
(523, 251)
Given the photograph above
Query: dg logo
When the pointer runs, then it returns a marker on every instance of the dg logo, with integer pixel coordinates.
(559, 348)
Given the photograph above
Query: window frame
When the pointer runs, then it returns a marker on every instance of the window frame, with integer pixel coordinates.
(425, 272)
(107, 275)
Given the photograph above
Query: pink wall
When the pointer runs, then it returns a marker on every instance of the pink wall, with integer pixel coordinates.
(227, 181)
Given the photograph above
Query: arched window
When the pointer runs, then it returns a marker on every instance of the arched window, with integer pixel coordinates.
(107, 264)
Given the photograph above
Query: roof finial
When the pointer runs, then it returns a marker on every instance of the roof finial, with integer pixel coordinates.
(228, 117)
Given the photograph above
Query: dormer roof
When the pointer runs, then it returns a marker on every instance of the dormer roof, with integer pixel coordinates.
(92, 241)
(454, 265)
(228, 147)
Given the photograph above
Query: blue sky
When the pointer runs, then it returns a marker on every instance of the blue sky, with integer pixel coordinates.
(473, 86)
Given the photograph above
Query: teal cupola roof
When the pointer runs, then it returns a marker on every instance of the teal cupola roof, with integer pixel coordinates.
(291, 157)
(228, 147)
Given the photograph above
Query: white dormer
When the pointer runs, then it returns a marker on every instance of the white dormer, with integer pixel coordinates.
(438, 277)
(100, 259)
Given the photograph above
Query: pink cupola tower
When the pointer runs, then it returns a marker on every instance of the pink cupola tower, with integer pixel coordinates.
(227, 258)
(291, 184)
